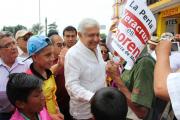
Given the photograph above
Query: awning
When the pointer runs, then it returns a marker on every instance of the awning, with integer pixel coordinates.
(162, 5)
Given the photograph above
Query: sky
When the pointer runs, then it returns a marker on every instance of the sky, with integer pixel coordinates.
(63, 12)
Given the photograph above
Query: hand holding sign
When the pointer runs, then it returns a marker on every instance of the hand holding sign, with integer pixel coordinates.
(112, 69)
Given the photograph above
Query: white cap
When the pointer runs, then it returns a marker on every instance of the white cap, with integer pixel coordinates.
(22, 33)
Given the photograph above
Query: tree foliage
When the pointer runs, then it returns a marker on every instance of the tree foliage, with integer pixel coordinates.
(13, 29)
(37, 29)
(52, 27)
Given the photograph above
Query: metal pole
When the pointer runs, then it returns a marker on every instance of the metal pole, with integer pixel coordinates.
(117, 8)
(39, 11)
(46, 26)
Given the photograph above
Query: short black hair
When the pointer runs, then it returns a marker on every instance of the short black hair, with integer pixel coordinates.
(103, 44)
(69, 28)
(109, 104)
(20, 86)
(52, 32)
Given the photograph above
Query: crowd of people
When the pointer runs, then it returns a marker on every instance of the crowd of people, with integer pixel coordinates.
(63, 78)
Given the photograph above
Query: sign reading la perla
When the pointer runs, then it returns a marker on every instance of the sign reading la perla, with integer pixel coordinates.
(134, 30)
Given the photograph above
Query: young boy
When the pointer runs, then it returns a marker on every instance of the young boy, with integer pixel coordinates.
(25, 93)
(40, 48)
(109, 104)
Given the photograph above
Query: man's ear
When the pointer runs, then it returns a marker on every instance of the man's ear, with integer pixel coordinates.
(79, 34)
(20, 104)
(34, 57)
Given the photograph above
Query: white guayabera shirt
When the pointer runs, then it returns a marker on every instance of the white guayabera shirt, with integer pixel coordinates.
(173, 84)
(84, 75)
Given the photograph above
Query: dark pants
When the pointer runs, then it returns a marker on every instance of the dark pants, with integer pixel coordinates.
(5, 116)
(62, 96)
(66, 113)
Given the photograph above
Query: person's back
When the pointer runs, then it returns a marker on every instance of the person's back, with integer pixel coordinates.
(109, 104)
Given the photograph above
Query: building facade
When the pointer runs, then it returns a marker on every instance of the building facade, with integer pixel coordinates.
(167, 13)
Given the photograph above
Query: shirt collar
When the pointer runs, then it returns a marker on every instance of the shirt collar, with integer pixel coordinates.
(1, 61)
(17, 61)
(36, 73)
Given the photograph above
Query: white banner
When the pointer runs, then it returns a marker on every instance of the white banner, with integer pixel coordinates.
(134, 30)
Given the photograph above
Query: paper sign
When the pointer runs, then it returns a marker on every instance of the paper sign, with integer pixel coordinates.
(134, 30)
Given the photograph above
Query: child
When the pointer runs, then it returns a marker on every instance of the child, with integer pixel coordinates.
(25, 93)
(40, 48)
(109, 104)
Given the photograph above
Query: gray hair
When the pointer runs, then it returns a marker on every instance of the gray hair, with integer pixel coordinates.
(5, 34)
(52, 38)
(86, 23)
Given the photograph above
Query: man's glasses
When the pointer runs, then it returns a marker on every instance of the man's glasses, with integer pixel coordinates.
(92, 35)
(4, 34)
(104, 51)
(60, 45)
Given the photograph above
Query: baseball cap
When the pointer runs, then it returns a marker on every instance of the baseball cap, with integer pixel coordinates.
(37, 43)
(22, 33)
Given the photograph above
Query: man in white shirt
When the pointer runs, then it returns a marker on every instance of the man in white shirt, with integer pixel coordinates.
(84, 69)
(175, 61)
(166, 83)
(173, 85)
(9, 63)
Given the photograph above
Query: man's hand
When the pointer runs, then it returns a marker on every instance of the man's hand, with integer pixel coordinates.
(57, 117)
(113, 28)
(112, 69)
(60, 115)
(58, 67)
(163, 48)
(62, 57)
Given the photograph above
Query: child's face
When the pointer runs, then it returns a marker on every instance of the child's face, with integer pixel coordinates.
(35, 102)
(45, 57)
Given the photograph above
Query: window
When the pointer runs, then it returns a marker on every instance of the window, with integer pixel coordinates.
(149, 2)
